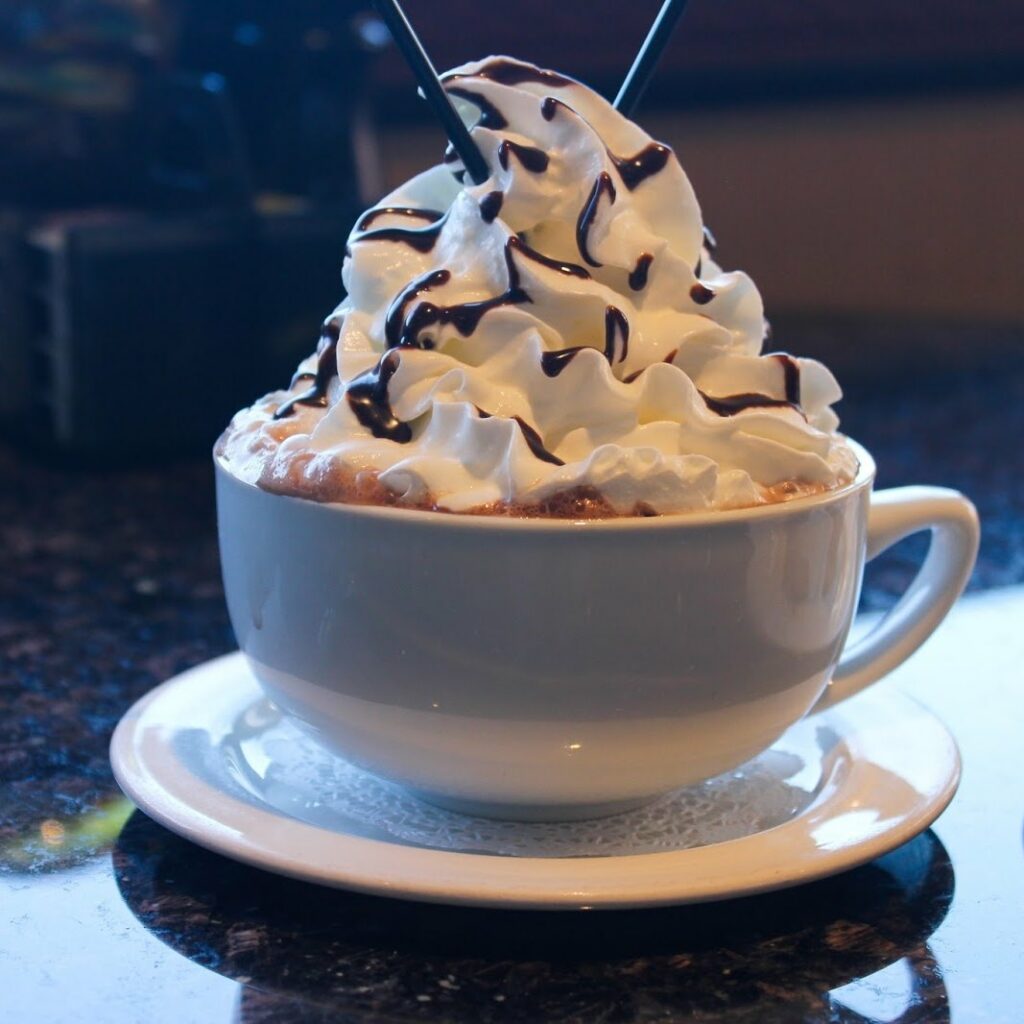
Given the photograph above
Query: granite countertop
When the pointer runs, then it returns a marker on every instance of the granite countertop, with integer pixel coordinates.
(109, 583)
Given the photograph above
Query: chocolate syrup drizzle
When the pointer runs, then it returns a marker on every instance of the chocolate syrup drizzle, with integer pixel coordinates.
(367, 396)
(615, 323)
(636, 373)
(790, 376)
(638, 275)
(398, 329)
(603, 185)
(326, 371)
(396, 211)
(532, 158)
(635, 169)
(536, 444)
(490, 205)
(553, 363)
(563, 266)
(549, 107)
(512, 72)
(701, 293)
(729, 405)
(401, 330)
(421, 239)
(533, 440)
(490, 115)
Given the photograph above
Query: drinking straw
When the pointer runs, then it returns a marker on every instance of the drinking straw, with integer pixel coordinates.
(639, 75)
(426, 75)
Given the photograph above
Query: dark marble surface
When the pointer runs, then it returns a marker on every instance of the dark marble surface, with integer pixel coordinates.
(763, 958)
(109, 584)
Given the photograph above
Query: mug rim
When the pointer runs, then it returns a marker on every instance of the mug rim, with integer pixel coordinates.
(866, 470)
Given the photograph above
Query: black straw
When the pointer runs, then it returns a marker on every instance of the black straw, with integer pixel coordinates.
(412, 49)
(642, 71)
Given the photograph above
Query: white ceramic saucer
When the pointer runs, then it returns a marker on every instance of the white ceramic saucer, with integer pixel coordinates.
(206, 755)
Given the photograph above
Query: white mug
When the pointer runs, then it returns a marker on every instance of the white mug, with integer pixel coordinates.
(554, 669)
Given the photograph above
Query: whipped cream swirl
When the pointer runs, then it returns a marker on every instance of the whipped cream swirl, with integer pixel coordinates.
(560, 329)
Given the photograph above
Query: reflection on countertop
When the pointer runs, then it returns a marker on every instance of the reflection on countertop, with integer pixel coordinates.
(767, 957)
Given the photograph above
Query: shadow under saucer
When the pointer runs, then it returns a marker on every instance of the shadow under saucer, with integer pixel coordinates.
(307, 953)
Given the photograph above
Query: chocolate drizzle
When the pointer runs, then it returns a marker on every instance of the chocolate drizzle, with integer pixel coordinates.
(603, 185)
(636, 373)
(701, 293)
(532, 158)
(490, 115)
(615, 323)
(396, 326)
(533, 440)
(790, 375)
(326, 371)
(729, 405)
(615, 326)
(396, 211)
(421, 239)
(640, 166)
(368, 398)
(512, 72)
(536, 444)
(638, 275)
(553, 363)
(549, 107)
(563, 266)
(490, 205)
(403, 330)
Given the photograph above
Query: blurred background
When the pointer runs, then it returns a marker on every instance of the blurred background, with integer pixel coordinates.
(177, 178)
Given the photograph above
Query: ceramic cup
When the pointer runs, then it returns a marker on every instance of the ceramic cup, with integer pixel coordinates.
(550, 669)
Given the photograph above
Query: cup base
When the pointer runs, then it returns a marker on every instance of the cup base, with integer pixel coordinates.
(530, 812)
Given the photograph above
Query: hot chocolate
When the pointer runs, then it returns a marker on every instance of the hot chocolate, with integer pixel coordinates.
(556, 341)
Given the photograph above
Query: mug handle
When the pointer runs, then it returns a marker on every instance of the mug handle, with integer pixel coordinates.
(897, 513)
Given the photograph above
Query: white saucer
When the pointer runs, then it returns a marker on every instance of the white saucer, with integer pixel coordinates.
(207, 756)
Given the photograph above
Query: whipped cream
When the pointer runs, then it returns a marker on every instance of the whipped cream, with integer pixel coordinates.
(561, 328)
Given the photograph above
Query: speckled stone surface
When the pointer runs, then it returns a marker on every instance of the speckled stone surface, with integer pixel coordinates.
(748, 960)
(109, 583)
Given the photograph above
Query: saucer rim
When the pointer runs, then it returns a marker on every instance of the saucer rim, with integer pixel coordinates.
(149, 773)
